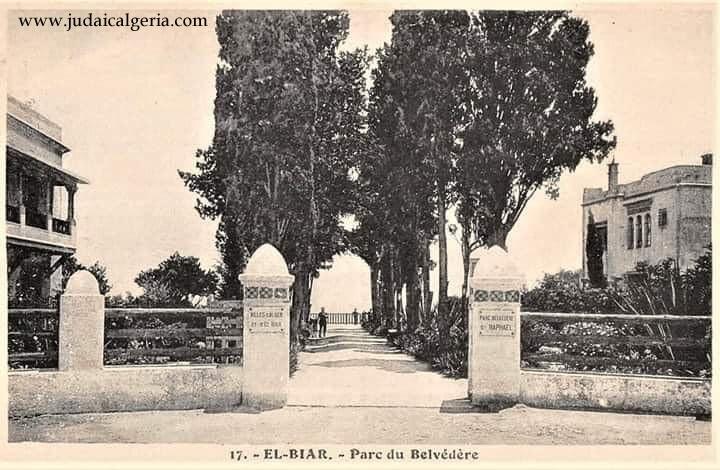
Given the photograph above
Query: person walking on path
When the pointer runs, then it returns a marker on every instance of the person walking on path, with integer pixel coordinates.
(355, 315)
(322, 321)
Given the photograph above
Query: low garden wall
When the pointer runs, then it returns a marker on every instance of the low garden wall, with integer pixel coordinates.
(642, 394)
(125, 388)
(170, 357)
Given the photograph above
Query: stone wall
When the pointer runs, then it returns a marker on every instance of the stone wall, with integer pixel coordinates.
(638, 394)
(131, 388)
(83, 385)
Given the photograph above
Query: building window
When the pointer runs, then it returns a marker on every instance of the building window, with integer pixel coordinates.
(638, 232)
(648, 230)
(60, 203)
(662, 217)
(630, 237)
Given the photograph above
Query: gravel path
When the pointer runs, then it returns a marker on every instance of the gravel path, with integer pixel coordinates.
(355, 389)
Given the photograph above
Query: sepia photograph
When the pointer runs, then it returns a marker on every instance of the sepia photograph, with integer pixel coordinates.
(369, 235)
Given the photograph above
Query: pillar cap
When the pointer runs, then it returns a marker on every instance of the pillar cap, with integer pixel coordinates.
(268, 263)
(495, 263)
(82, 283)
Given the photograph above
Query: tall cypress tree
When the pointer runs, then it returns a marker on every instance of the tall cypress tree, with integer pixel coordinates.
(593, 253)
(289, 112)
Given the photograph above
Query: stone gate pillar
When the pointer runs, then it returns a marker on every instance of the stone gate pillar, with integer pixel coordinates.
(266, 329)
(82, 324)
(494, 331)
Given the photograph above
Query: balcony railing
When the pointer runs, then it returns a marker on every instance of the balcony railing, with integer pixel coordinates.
(35, 219)
(12, 214)
(61, 226)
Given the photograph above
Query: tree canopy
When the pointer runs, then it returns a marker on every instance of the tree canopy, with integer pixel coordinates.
(288, 120)
(475, 111)
(176, 278)
(529, 114)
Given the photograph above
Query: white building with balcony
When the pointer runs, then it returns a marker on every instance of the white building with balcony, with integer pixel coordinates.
(40, 197)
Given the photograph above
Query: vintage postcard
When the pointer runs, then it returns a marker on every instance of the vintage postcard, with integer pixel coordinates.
(362, 234)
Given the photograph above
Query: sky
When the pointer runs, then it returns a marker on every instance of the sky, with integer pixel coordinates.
(135, 107)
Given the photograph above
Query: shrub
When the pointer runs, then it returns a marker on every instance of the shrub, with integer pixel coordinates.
(659, 289)
(425, 343)
(370, 322)
(563, 292)
(295, 349)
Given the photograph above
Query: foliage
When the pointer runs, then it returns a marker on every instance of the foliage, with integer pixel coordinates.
(448, 355)
(371, 322)
(295, 349)
(611, 357)
(476, 109)
(530, 115)
(662, 289)
(593, 253)
(177, 321)
(289, 111)
(659, 289)
(563, 292)
(34, 270)
(71, 266)
(174, 279)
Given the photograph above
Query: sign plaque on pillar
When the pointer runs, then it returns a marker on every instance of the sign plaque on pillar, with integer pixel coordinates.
(266, 329)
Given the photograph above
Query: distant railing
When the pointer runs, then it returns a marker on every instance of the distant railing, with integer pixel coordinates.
(35, 219)
(12, 213)
(639, 344)
(61, 226)
(162, 335)
(343, 318)
(33, 338)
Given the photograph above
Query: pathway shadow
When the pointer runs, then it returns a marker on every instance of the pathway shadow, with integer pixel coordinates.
(337, 338)
(392, 352)
(403, 367)
(355, 346)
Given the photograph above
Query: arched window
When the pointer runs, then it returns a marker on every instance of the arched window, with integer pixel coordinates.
(630, 231)
(648, 230)
(638, 232)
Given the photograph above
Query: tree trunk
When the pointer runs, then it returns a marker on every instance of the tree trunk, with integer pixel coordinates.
(300, 302)
(427, 295)
(399, 310)
(466, 268)
(388, 288)
(443, 321)
(498, 238)
(375, 289)
(412, 296)
(308, 304)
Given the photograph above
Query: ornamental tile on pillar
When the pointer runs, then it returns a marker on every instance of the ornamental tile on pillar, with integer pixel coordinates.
(494, 331)
(266, 329)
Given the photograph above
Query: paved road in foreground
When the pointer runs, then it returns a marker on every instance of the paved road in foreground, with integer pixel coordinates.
(354, 389)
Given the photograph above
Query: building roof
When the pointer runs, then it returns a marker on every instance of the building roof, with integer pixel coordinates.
(36, 121)
(657, 180)
(61, 173)
(35, 126)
